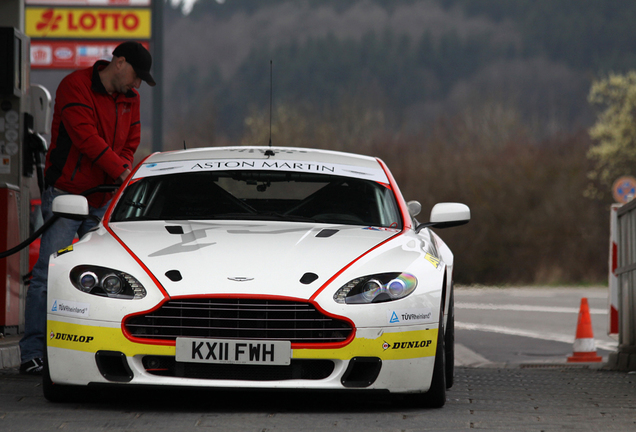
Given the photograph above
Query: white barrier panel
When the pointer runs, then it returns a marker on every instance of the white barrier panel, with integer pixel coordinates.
(625, 358)
(612, 325)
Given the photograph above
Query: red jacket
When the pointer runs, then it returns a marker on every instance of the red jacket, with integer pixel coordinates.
(94, 134)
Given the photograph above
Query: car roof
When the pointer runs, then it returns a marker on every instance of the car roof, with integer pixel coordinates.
(280, 153)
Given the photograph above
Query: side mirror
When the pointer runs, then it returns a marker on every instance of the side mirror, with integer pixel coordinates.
(414, 208)
(71, 207)
(446, 215)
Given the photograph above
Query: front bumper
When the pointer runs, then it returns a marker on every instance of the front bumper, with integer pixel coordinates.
(399, 359)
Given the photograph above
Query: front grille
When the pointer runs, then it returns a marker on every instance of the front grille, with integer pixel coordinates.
(298, 369)
(296, 322)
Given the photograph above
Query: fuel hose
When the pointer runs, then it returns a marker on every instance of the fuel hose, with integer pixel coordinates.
(46, 225)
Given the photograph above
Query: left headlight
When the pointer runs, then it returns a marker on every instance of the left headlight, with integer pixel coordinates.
(106, 282)
(376, 288)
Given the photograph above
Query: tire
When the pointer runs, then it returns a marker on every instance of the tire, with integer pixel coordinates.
(449, 342)
(435, 397)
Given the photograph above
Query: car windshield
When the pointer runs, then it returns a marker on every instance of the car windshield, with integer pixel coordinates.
(259, 195)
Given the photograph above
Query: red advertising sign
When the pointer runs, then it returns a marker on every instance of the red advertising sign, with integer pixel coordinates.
(70, 54)
(52, 24)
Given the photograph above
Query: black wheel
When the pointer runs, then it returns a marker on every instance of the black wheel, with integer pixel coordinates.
(449, 341)
(435, 397)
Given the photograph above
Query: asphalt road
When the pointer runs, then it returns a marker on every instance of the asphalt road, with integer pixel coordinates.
(512, 326)
(507, 399)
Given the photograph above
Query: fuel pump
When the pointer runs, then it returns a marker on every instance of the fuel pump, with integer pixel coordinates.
(24, 114)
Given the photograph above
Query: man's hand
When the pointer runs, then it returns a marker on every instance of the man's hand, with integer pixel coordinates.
(123, 176)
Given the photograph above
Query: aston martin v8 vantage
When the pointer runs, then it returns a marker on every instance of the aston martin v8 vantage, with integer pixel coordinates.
(255, 268)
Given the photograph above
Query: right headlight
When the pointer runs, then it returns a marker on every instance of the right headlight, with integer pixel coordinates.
(106, 282)
(376, 288)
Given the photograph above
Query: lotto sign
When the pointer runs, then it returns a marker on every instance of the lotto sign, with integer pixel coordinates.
(105, 23)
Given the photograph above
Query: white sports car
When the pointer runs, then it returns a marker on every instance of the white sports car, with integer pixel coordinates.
(255, 268)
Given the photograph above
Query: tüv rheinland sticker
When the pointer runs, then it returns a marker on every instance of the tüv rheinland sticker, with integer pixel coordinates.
(70, 308)
(410, 316)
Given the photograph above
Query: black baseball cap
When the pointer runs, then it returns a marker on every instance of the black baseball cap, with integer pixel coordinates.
(138, 57)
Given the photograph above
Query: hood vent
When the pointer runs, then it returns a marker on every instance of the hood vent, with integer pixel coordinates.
(174, 275)
(308, 278)
(327, 233)
(174, 229)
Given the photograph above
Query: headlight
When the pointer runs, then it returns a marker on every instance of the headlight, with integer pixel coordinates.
(106, 282)
(376, 288)
(87, 281)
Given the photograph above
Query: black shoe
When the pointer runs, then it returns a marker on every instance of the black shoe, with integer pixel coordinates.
(32, 367)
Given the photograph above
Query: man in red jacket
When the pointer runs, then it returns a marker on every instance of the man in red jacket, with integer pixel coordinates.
(95, 134)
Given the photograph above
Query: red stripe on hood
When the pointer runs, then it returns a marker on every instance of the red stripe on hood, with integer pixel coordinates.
(112, 233)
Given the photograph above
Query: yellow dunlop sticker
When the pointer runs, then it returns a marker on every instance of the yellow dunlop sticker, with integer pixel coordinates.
(92, 339)
(389, 346)
(65, 250)
(430, 258)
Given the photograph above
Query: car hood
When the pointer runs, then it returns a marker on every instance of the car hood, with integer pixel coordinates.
(251, 258)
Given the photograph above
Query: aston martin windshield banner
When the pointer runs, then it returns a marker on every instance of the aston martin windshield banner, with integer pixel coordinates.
(163, 168)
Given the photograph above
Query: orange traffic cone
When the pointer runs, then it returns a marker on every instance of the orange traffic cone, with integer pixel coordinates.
(584, 346)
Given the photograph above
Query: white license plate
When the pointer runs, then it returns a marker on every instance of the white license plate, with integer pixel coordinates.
(203, 350)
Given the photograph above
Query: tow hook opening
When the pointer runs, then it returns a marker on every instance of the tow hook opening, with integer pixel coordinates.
(113, 366)
(361, 372)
